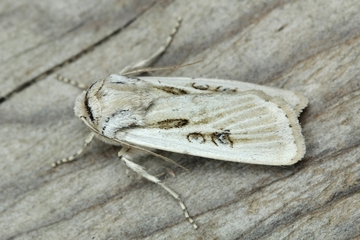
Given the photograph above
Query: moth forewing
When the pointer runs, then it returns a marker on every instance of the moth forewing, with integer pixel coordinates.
(249, 127)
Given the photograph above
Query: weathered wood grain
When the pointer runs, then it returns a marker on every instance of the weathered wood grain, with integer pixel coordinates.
(37, 36)
(308, 46)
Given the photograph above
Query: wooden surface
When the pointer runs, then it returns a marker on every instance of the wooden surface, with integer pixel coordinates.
(308, 46)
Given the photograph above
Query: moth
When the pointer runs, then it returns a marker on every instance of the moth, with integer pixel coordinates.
(212, 118)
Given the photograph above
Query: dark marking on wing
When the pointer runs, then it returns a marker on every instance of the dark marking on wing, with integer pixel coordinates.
(172, 90)
(200, 87)
(222, 137)
(206, 87)
(282, 27)
(196, 136)
(172, 123)
(119, 82)
(222, 89)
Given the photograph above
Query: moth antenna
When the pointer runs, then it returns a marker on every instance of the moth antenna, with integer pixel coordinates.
(72, 82)
(159, 68)
(73, 157)
(149, 61)
(142, 172)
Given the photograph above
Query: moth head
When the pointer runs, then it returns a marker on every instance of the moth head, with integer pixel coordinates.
(114, 103)
(87, 105)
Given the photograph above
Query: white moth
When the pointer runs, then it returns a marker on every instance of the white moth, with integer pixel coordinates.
(212, 118)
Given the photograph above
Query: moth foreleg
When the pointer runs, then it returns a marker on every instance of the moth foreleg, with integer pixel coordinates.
(142, 172)
(73, 157)
(149, 61)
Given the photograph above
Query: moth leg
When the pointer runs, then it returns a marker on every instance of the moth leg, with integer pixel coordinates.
(72, 82)
(73, 157)
(149, 61)
(142, 172)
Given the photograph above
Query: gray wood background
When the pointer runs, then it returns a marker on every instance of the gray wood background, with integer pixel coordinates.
(305, 45)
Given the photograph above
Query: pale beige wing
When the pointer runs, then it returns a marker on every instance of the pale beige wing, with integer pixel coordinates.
(250, 127)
